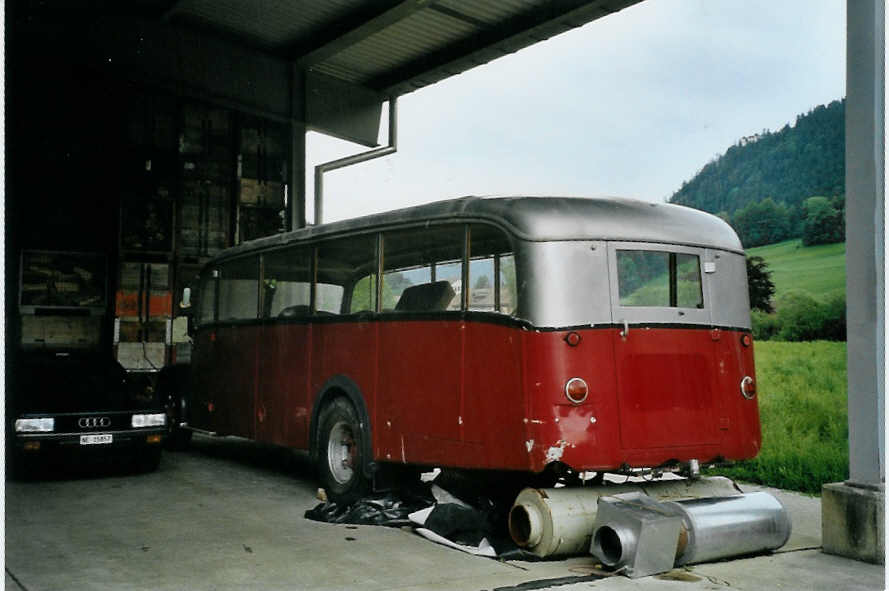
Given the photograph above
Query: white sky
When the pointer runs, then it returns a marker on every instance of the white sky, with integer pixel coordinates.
(632, 104)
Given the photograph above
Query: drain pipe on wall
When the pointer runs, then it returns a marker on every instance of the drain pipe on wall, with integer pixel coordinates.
(391, 148)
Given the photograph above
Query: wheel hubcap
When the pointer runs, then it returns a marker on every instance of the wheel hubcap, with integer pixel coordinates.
(341, 452)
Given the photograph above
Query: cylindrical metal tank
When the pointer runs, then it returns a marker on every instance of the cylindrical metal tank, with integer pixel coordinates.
(731, 526)
(559, 521)
(553, 521)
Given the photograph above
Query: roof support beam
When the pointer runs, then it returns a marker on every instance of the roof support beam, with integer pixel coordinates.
(374, 25)
(469, 20)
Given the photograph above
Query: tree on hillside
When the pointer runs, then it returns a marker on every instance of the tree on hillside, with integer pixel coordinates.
(762, 222)
(759, 284)
(824, 223)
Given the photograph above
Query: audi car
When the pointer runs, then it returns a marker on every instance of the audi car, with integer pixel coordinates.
(72, 405)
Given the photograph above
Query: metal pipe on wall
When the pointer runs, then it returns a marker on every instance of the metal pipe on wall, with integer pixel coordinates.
(391, 148)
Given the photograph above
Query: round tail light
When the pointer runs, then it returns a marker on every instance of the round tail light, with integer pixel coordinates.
(746, 340)
(748, 387)
(576, 390)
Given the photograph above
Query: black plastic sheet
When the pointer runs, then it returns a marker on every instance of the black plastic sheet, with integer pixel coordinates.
(460, 522)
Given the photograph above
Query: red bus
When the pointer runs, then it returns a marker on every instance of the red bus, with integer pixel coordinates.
(530, 335)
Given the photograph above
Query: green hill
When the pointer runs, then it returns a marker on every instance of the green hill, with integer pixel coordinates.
(789, 166)
(819, 270)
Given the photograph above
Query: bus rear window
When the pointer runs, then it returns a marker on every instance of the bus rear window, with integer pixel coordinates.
(649, 278)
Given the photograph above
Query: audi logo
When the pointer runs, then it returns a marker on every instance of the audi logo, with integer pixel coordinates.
(93, 422)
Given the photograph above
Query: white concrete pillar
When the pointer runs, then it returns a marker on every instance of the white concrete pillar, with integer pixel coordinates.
(865, 238)
(852, 512)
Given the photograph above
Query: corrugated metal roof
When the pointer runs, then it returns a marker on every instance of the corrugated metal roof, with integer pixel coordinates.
(390, 46)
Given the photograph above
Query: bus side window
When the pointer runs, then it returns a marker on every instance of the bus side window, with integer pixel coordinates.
(286, 283)
(347, 263)
(422, 269)
(492, 272)
(364, 293)
(239, 289)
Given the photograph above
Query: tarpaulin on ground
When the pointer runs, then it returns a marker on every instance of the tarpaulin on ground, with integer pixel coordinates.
(435, 514)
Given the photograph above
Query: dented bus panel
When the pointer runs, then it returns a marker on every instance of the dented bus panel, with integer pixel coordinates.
(487, 333)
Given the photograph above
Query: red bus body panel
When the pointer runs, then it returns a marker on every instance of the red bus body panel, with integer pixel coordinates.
(658, 395)
(478, 394)
(283, 404)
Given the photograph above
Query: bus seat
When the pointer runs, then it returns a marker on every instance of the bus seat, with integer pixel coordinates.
(294, 311)
(427, 297)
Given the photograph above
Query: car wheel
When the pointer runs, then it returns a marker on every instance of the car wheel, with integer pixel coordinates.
(340, 455)
(148, 459)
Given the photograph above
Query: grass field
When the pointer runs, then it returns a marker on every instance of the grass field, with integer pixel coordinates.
(802, 404)
(818, 270)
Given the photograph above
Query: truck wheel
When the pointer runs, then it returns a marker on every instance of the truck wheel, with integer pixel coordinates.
(340, 455)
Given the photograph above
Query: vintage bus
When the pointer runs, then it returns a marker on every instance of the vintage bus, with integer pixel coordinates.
(530, 335)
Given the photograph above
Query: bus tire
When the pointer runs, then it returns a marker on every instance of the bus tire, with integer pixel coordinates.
(340, 453)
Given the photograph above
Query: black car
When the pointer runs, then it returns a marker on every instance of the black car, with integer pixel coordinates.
(83, 404)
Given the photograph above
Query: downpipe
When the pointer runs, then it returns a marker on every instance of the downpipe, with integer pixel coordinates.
(320, 169)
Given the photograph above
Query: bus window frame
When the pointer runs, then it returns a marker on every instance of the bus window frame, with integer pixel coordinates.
(220, 276)
(302, 248)
(314, 246)
(461, 226)
(496, 268)
(210, 273)
(658, 314)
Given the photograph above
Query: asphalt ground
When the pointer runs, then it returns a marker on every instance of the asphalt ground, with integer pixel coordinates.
(228, 514)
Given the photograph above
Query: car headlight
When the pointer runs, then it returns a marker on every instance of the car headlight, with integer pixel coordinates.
(41, 425)
(149, 420)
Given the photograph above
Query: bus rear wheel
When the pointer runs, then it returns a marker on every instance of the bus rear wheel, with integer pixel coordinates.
(340, 454)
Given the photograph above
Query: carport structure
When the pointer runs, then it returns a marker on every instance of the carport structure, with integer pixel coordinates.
(158, 132)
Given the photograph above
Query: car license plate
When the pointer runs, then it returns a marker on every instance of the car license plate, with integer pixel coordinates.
(98, 439)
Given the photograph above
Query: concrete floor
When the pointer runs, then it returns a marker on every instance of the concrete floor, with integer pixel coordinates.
(229, 515)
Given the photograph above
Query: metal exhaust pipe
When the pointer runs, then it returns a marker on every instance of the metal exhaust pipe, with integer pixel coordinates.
(645, 537)
(731, 526)
(559, 521)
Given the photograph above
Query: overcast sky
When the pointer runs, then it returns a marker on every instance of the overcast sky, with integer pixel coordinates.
(632, 104)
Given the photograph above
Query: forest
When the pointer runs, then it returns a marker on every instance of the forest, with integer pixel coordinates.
(773, 186)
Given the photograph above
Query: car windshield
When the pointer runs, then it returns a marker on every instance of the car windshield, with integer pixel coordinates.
(77, 382)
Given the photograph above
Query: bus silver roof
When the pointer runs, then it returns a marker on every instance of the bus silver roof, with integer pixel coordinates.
(542, 219)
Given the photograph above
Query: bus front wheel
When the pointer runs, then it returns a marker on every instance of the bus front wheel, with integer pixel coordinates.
(340, 455)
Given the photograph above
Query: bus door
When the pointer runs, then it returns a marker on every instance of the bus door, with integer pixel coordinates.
(663, 345)
(282, 407)
(235, 347)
